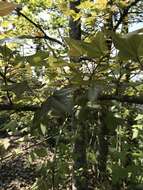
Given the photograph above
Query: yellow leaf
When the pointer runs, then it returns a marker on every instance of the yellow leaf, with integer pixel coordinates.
(101, 4)
(86, 5)
(6, 8)
(49, 3)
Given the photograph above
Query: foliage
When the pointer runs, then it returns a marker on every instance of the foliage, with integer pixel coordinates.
(66, 90)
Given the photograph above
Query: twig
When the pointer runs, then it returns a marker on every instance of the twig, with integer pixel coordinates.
(5, 81)
(8, 80)
(18, 107)
(125, 13)
(27, 148)
(40, 28)
(122, 98)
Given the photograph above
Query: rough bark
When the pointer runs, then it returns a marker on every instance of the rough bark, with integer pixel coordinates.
(102, 145)
(74, 26)
(102, 125)
(80, 161)
(79, 152)
(119, 98)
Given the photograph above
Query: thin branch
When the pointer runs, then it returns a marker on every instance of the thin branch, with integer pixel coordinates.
(18, 107)
(125, 13)
(5, 81)
(40, 28)
(119, 98)
(25, 150)
(123, 99)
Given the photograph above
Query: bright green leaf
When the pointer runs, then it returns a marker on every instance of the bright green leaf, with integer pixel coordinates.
(37, 59)
(43, 129)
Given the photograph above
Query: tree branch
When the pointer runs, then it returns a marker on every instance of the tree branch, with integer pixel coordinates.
(18, 107)
(45, 36)
(125, 13)
(127, 99)
(124, 99)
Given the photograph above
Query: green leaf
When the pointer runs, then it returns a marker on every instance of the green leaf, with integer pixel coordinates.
(40, 152)
(40, 184)
(99, 44)
(118, 173)
(38, 59)
(86, 5)
(83, 114)
(129, 46)
(95, 90)
(135, 133)
(5, 51)
(57, 104)
(75, 48)
(11, 125)
(62, 101)
(94, 49)
(139, 117)
(18, 88)
(40, 116)
(112, 121)
(43, 129)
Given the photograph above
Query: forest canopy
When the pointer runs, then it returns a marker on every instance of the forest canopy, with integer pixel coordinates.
(71, 72)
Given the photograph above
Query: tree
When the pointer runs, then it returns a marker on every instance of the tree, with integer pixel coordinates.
(85, 79)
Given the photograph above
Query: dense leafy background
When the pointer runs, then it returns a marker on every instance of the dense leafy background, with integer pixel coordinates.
(81, 98)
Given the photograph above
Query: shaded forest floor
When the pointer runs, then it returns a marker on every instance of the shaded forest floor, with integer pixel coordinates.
(16, 173)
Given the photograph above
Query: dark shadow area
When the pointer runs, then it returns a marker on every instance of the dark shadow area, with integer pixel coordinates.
(16, 174)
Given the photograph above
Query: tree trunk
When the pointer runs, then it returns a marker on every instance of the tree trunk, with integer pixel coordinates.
(80, 162)
(79, 152)
(102, 145)
(74, 26)
(102, 125)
